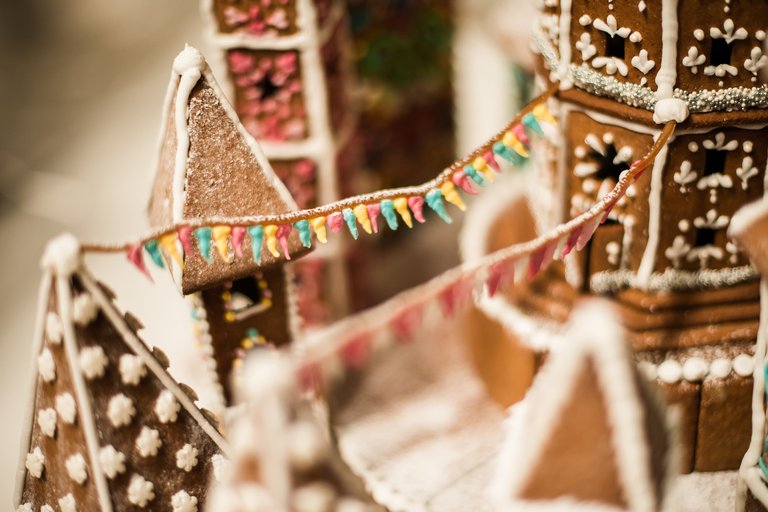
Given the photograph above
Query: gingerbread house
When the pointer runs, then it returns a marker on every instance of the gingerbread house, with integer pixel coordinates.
(687, 295)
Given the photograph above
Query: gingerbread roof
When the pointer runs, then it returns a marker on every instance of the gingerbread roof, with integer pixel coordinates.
(209, 167)
(590, 434)
(749, 227)
(107, 428)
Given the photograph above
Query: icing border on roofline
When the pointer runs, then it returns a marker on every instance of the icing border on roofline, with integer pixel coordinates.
(671, 279)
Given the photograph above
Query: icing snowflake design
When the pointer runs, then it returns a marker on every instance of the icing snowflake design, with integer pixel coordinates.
(756, 61)
(585, 46)
(611, 27)
(712, 220)
(677, 251)
(140, 491)
(719, 143)
(694, 59)
(84, 309)
(600, 163)
(183, 502)
(67, 503)
(729, 32)
(76, 468)
(186, 458)
(53, 328)
(746, 171)
(46, 420)
(65, 406)
(166, 407)
(120, 410)
(46, 366)
(132, 369)
(93, 362)
(148, 442)
(642, 64)
(112, 461)
(685, 176)
(35, 462)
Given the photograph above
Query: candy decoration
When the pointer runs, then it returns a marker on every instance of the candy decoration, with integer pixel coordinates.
(541, 113)
(271, 233)
(185, 236)
(417, 207)
(221, 238)
(318, 226)
(335, 222)
(356, 352)
(529, 120)
(481, 166)
(282, 235)
(203, 236)
(168, 244)
(401, 206)
(238, 235)
(373, 211)
(500, 149)
(388, 212)
(461, 179)
(519, 132)
(434, 199)
(472, 173)
(134, 256)
(361, 214)
(452, 196)
(153, 249)
(349, 218)
(512, 142)
(302, 226)
(257, 240)
(490, 160)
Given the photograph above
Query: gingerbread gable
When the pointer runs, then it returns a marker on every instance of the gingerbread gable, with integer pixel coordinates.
(210, 167)
(590, 434)
(108, 427)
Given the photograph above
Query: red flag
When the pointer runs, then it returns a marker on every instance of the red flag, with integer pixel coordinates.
(135, 256)
(356, 351)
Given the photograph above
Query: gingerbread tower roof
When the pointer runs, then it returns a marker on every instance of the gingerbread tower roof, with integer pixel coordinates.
(108, 428)
(590, 431)
(210, 167)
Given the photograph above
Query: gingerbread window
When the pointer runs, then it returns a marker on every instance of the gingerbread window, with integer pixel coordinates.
(720, 52)
(246, 297)
(705, 236)
(714, 162)
(614, 46)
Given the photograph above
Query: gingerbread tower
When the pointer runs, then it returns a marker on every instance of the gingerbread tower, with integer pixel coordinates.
(688, 297)
(289, 69)
(210, 167)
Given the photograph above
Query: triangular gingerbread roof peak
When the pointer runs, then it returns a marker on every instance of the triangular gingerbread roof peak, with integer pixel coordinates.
(107, 427)
(590, 434)
(749, 227)
(210, 167)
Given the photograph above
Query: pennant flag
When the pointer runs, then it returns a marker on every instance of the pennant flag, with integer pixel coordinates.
(490, 160)
(587, 230)
(335, 222)
(434, 200)
(452, 196)
(473, 174)
(356, 352)
(541, 112)
(282, 235)
(361, 214)
(349, 219)
(302, 226)
(185, 236)
(417, 207)
(461, 179)
(535, 263)
(270, 231)
(153, 249)
(447, 300)
(498, 273)
(238, 235)
(203, 236)
(257, 240)
(221, 239)
(519, 132)
(515, 159)
(401, 206)
(373, 211)
(310, 378)
(388, 212)
(318, 225)
(168, 244)
(135, 256)
(529, 120)
(571, 240)
(406, 323)
(511, 142)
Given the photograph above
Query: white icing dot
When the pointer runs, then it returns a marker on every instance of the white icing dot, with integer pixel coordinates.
(186, 458)
(608, 138)
(46, 508)
(166, 407)
(747, 146)
(744, 365)
(698, 34)
(35, 462)
(140, 491)
(720, 368)
(112, 461)
(670, 371)
(54, 331)
(46, 419)
(76, 468)
(693, 147)
(93, 362)
(148, 442)
(695, 369)
(648, 369)
(684, 225)
(132, 369)
(720, 83)
(120, 410)
(46, 366)
(585, 20)
(24, 507)
(62, 255)
(580, 152)
(67, 503)
(760, 35)
(221, 467)
(635, 37)
(65, 406)
(183, 502)
(84, 309)
(641, 6)
(307, 446)
(190, 59)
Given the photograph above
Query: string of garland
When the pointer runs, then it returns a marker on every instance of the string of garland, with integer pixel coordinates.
(352, 339)
(227, 236)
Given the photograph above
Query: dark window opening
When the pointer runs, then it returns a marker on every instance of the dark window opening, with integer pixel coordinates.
(721, 52)
(607, 166)
(614, 46)
(267, 87)
(705, 236)
(246, 294)
(714, 162)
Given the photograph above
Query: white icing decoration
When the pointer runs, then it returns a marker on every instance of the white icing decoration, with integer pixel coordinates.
(729, 32)
(221, 467)
(93, 362)
(35, 462)
(585, 46)
(684, 225)
(166, 407)
(667, 74)
(670, 109)
(636, 37)
(46, 366)
(711, 220)
(84, 309)
(132, 369)
(46, 508)
(743, 365)
(313, 497)
(54, 331)
(685, 176)
(67, 503)
(670, 371)
(112, 461)
(76, 468)
(351, 505)
(46, 419)
(720, 368)
(720, 144)
(62, 255)
(611, 65)
(733, 251)
(695, 369)
(65, 406)
(307, 446)
(585, 20)
(641, 6)
(148, 442)
(677, 251)
(611, 27)
(24, 507)
(756, 61)
(760, 35)
(720, 71)
(648, 369)
(140, 491)
(183, 502)
(693, 147)
(747, 146)
(698, 34)
(694, 59)
(120, 410)
(642, 63)
(613, 249)
(186, 458)
(714, 180)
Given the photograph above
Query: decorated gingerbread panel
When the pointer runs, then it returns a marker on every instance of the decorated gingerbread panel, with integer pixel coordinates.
(337, 75)
(260, 18)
